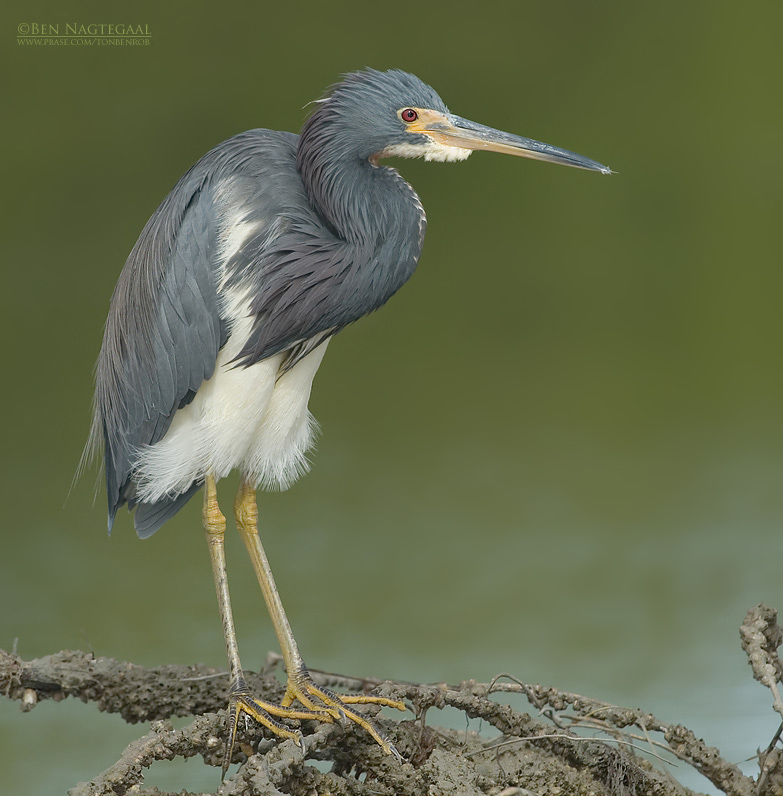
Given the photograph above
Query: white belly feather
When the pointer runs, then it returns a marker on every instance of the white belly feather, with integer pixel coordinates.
(242, 418)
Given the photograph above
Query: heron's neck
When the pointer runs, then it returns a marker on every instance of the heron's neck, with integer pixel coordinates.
(364, 204)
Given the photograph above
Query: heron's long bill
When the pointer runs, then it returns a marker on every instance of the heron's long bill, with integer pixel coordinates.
(459, 132)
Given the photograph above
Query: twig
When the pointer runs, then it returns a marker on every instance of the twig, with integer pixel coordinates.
(510, 741)
(761, 638)
(162, 742)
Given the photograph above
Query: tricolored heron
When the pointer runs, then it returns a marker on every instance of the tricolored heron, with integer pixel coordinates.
(268, 246)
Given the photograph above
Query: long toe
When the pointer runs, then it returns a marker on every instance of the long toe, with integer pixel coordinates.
(318, 698)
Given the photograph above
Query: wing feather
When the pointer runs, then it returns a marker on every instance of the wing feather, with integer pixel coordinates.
(163, 332)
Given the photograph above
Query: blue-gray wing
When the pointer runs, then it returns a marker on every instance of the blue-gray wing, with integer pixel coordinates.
(162, 337)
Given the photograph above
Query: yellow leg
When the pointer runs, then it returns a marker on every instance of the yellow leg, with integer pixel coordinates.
(300, 685)
(240, 699)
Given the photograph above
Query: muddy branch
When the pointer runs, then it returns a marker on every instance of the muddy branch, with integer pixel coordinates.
(626, 751)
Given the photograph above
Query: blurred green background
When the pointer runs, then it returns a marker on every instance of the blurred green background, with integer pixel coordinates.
(557, 452)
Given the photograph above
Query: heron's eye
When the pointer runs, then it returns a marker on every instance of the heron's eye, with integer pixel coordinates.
(409, 115)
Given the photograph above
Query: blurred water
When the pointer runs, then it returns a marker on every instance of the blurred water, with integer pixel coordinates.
(556, 453)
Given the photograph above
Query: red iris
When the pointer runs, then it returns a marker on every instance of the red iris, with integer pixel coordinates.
(409, 115)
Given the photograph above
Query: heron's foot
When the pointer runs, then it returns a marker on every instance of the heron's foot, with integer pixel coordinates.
(243, 703)
(320, 704)
(320, 700)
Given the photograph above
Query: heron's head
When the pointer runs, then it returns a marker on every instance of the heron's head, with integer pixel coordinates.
(373, 115)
